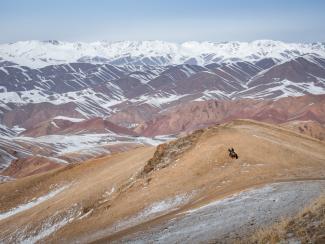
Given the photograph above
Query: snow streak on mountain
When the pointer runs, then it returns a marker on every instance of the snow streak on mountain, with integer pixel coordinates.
(38, 54)
(102, 94)
(97, 76)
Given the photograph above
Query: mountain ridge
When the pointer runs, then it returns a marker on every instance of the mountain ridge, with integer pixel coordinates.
(38, 54)
(144, 87)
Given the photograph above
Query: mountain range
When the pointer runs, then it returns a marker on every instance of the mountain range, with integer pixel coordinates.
(132, 91)
(42, 53)
(131, 141)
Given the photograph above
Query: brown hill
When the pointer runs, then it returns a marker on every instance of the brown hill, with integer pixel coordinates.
(30, 165)
(194, 115)
(108, 198)
(62, 126)
(34, 113)
(310, 128)
(35, 164)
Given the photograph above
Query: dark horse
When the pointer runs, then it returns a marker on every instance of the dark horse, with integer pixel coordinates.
(232, 153)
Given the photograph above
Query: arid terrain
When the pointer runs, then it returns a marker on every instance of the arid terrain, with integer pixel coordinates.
(131, 141)
(186, 190)
(305, 227)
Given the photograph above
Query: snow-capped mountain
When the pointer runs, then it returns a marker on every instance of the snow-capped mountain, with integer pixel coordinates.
(38, 54)
(106, 96)
(103, 79)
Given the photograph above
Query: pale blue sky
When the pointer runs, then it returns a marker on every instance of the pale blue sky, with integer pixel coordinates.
(170, 20)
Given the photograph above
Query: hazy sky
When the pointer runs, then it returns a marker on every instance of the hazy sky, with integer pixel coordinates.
(170, 20)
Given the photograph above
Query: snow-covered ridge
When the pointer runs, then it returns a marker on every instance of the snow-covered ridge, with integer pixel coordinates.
(42, 53)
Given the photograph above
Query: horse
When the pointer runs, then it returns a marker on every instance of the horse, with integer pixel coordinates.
(232, 153)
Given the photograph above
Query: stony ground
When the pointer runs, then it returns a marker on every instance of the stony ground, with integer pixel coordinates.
(225, 220)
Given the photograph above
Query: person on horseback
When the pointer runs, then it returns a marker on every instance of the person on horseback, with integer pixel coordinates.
(232, 153)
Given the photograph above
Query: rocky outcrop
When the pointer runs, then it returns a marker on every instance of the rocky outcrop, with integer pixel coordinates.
(167, 153)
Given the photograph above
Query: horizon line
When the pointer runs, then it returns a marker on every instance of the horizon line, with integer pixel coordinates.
(161, 40)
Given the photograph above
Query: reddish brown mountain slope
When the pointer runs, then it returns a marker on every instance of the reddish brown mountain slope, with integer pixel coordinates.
(194, 115)
(61, 127)
(28, 115)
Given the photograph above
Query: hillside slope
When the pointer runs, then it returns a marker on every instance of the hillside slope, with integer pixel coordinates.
(306, 227)
(108, 198)
(65, 126)
(200, 114)
(309, 127)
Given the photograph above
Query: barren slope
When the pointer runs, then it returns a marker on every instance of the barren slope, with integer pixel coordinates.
(306, 227)
(57, 126)
(199, 114)
(309, 127)
(107, 198)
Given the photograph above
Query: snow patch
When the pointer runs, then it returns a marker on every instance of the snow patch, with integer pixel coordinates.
(46, 228)
(54, 124)
(76, 120)
(4, 178)
(157, 100)
(154, 210)
(86, 214)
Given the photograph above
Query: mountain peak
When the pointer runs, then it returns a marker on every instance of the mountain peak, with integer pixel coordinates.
(155, 52)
